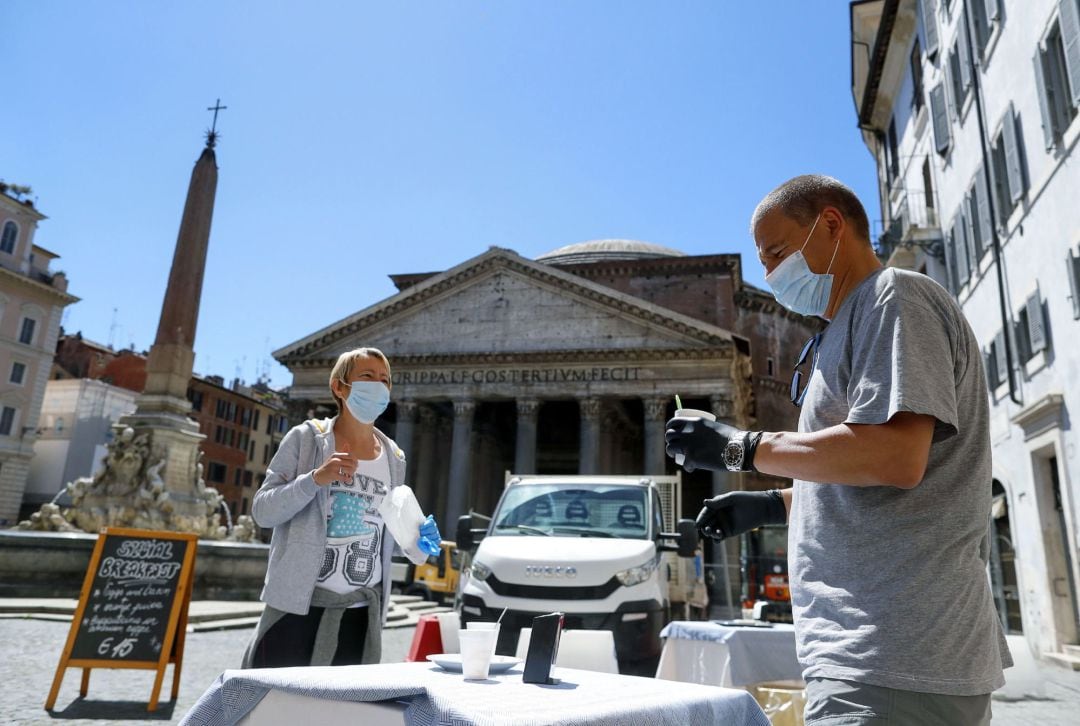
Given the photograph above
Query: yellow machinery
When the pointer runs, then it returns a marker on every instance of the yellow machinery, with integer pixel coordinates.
(437, 578)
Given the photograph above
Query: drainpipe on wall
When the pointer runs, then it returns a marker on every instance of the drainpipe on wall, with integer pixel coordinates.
(975, 61)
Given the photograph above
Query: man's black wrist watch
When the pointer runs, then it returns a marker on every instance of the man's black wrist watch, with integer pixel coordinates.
(740, 450)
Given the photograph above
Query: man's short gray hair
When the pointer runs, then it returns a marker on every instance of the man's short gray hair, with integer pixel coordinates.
(803, 198)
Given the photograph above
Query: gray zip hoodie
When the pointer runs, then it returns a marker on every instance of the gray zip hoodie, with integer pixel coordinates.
(296, 507)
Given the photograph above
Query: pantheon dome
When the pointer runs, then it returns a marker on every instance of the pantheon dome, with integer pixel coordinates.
(607, 250)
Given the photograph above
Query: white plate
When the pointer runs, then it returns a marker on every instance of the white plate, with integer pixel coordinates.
(452, 662)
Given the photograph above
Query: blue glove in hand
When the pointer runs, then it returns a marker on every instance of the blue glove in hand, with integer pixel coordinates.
(429, 536)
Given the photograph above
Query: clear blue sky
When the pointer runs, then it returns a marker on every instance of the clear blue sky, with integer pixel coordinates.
(363, 139)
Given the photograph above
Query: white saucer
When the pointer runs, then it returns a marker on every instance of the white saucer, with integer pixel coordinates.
(452, 662)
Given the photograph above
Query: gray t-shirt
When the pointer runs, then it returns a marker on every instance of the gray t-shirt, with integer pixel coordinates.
(889, 586)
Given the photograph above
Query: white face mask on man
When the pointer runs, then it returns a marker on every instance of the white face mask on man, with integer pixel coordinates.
(797, 287)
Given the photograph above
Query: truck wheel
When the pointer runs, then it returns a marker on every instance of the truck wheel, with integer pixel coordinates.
(420, 590)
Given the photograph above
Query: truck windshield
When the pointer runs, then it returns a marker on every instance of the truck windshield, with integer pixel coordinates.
(573, 511)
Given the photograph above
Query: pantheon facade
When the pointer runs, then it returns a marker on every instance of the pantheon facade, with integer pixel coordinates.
(565, 364)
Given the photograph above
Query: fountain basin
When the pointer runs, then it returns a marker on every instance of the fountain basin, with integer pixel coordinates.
(53, 564)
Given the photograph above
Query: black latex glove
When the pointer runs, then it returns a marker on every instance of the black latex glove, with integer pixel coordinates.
(731, 514)
(700, 440)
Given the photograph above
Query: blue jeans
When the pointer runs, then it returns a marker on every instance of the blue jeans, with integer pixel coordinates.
(833, 702)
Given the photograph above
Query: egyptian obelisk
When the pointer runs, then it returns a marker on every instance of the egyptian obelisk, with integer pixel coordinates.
(162, 409)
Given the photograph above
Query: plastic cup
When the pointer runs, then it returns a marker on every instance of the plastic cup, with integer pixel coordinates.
(477, 647)
(449, 625)
(691, 413)
(486, 626)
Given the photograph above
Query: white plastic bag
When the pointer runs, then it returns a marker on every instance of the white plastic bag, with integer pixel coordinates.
(403, 517)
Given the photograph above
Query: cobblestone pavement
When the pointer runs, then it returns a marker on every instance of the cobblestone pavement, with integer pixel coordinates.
(30, 649)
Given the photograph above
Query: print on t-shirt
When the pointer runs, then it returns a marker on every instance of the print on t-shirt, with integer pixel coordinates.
(354, 529)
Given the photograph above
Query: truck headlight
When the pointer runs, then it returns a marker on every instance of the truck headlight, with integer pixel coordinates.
(480, 571)
(636, 575)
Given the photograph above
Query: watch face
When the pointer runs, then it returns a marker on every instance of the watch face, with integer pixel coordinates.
(733, 455)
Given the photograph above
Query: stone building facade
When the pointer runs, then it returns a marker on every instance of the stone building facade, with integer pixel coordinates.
(565, 364)
(972, 113)
(32, 300)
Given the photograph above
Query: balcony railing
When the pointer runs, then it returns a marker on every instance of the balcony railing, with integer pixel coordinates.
(912, 223)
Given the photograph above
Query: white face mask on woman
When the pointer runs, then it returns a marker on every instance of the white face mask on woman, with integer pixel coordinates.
(367, 400)
(797, 287)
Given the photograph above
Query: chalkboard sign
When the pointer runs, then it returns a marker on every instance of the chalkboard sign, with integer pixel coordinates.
(132, 612)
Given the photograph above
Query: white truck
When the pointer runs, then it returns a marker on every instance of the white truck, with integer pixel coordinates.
(595, 548)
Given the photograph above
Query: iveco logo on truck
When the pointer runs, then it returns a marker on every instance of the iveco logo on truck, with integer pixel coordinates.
(549, 571)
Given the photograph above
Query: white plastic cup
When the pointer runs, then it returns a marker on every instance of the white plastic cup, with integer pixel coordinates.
(477, 647)
(449, 626)
(486, 626)
(691, 413)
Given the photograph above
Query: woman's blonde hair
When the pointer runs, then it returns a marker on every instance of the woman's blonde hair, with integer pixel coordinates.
(343, 367)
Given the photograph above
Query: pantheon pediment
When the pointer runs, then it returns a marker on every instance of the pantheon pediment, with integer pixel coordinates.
(500, 303)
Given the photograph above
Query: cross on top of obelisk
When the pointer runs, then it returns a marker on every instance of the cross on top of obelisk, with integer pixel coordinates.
(212, 135)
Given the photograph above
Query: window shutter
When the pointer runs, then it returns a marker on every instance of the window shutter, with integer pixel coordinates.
(950, 263)
(1012, 155)
(989, 368)
(1070, 39)
(993, 10)
(964, 50)
(963, 269)
(1072, 269)
(1043, 92)
(1036, 324)
(941, 118)
(974, 233)
(1001, 363)
(986, 222)
(930, 29)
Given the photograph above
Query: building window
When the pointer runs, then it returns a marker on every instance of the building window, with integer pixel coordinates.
(7, 420)
(266, 454)
(217, 472)
(1057, 79)
(939, 112)
(196, 398)
(916, 77)
(928, 17)
(236, 477)
(1010, 177)
(986, 16)
(1072, 269)
(770, 367)
(270, 424)
(1031, 334)
(960, 69)
(18, 373)
(26, 332)
(11, 233)
(255, 423)
(247, 478)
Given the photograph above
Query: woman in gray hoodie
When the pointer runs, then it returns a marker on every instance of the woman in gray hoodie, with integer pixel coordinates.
(328, 579)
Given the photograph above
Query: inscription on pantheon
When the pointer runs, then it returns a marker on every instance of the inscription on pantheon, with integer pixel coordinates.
(516, 375)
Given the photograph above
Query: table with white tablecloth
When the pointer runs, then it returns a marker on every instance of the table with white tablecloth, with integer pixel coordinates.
(727, 655)
(422, 693)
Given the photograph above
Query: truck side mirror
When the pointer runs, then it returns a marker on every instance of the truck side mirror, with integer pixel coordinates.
(464, 533)
(688, 537)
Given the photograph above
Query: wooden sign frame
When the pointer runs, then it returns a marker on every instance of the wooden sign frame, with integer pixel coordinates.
(172, 648)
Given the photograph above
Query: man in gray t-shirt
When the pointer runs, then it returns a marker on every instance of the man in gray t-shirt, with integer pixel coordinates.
(888, 516)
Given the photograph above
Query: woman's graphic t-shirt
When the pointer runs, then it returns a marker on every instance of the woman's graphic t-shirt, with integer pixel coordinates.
(354, 529)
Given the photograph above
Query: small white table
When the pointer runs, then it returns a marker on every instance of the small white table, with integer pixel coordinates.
(730, 656)
(422, 693)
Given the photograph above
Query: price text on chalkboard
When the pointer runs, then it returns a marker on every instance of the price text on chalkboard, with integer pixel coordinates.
(132, 612)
